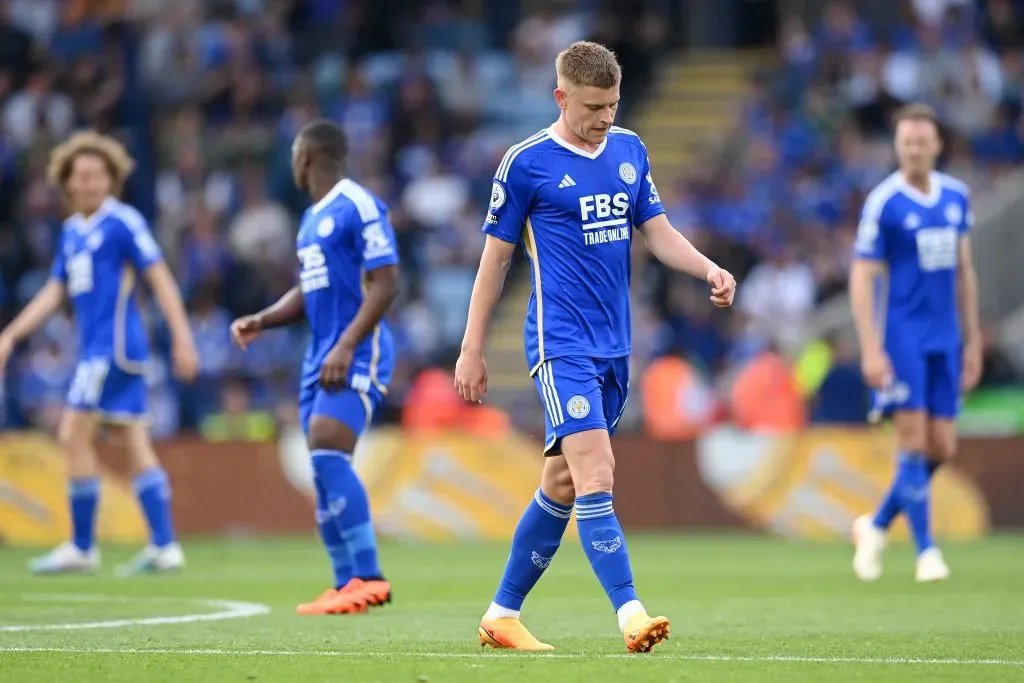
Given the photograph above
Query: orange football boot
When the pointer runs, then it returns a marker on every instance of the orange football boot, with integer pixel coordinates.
(508, 633)
(318, 606)
(642, 632)
(377, 592)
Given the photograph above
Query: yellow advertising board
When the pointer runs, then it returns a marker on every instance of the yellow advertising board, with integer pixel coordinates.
(34, 503)
(437, 486)
(814, 483)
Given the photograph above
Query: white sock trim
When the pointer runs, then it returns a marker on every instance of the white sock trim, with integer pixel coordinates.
(496, 611)
(627, 611)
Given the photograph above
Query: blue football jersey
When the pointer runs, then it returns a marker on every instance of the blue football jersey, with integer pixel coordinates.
(917, 237)
(574, 213)
(341, 237)
(98, 260)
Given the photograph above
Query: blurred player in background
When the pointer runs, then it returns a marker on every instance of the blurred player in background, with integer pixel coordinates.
(103, 249)
(572, 195)
(348, 279)
(925, 347)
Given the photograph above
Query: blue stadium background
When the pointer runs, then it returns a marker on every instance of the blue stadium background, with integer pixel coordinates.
(208, 96)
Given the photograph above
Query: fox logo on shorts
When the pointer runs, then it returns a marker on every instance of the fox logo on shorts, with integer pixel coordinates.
(578, 407)
(608, 546)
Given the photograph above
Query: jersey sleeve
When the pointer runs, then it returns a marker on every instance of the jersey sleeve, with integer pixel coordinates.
(59, 270)
(648, 201)
(143, 251)
(871, 243)
(376, 245)
(511, 195)
(967, 224)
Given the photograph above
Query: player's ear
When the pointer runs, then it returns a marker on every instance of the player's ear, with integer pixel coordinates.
(561, 99)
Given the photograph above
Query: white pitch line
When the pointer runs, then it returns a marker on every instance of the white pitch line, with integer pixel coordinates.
(792, 659)
(228, 609)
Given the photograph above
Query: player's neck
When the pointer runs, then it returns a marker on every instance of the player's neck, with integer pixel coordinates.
(562, 130)
(320, 184)
(87, 212)
(919, 181)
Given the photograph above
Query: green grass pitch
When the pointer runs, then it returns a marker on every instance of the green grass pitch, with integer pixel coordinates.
(742, 609)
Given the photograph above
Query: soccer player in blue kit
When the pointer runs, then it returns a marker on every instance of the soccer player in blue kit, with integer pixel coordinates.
(572, 195)
(348, 278)
(102, 251)
(926, 349)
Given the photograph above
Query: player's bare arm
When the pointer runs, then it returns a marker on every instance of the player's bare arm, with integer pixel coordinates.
(471, 370)
(673, 249)
(875, 363)
(43, 305)
(287, 310)
(967, 297)
(168, 298)
(380, 290)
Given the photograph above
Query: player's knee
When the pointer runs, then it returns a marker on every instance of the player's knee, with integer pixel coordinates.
(942, 452)
(595, 474)
(140, 447)
(941, 447)
(73, 437)
(912, 431)
(556, 481)
(328, 434)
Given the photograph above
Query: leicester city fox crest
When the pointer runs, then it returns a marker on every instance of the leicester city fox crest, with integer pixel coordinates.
(540, 562)
(578, 407)
(609, 546)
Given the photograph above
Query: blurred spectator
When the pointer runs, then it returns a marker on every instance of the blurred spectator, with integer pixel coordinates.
(262, 233)
(778, 295)
(841, 397)
(237, 421)
(38, 110)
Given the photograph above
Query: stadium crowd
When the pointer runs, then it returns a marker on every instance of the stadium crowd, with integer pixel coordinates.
(208, 96)
(781, 205)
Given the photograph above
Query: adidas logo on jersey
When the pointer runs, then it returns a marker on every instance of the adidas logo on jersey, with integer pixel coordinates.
(566, 181)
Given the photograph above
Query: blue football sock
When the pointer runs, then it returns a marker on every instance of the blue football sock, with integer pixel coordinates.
(347, 500)
(84, 497)
(536, 539)
(337, 550)
(890, 506)
(153, 490)
(605, 546)
(933, 465)
(912, 484)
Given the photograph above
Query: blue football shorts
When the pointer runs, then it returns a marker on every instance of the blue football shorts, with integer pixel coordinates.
(922, 381)
(352, 408)
(580, 394)
(99, 386)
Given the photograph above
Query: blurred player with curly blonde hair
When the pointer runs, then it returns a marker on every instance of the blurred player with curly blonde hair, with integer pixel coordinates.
(104, 247)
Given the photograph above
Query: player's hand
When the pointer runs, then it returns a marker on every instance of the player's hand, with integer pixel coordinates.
(723, 287)
(186, 360)
(334, 371)
(972, 365)
(876, 368)
(246, 330)
(471, 376)
(6, 349)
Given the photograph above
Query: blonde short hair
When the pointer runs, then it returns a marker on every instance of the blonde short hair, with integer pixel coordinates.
(62, 159)
(916, 111)
(588, 64)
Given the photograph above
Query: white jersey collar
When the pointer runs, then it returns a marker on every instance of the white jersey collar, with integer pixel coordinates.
(83, 224)
(330, 196)
(934, 189)
(573, 148)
